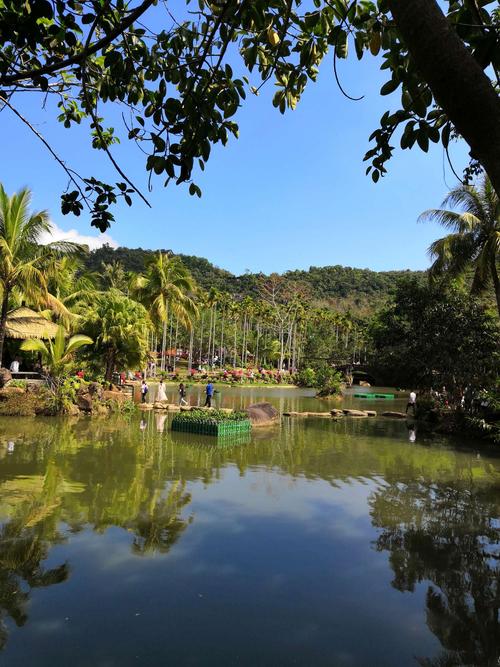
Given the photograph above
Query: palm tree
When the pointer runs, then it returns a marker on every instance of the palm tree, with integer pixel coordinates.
(475, 238)
(21, 257)
(57, 354)
(119, 325)
(166, 289)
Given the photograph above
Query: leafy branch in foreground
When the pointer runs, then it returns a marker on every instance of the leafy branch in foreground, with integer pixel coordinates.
(179, 87)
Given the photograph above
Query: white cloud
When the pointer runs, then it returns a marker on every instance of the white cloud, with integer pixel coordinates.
(93, 242)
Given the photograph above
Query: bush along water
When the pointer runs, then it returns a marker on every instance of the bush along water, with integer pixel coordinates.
(213, 422)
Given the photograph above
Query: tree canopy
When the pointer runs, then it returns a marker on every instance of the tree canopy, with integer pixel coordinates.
(180, 85)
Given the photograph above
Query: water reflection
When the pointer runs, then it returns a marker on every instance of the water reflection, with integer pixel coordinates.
(310, 517)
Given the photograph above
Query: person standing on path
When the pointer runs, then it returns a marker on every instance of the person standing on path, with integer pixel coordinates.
(144, 391)
(161, 394)
(412, 403)
(210, 393)
(182, 394)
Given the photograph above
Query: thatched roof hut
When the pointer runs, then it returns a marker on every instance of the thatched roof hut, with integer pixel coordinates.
(25, 323)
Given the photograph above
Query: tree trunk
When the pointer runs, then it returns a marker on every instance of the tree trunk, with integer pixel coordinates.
(176, 341)
(3, 322)
(496, 282)
(190, 356)
(110, 364)
(455, 78)
(201, 338)
(163, 346)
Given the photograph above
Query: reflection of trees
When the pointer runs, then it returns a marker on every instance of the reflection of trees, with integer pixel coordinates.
(23, 548)
(157, 528)
(447, 535)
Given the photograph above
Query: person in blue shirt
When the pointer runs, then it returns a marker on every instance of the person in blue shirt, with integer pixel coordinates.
(210, 393)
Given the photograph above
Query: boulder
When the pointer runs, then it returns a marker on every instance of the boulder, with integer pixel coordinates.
(95, 389)
(336, 412)
(72, 410)
(355, 413)
(117, 396)
(174, 408)
(363, 383)
(84, 402)
(371, 413)
(319, 414)
(5, 376)
(394, 415)
(5, 392)
(290, 414)
(160, 405)
(262, 414)
(145, 406)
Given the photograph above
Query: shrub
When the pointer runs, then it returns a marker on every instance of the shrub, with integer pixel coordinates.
(328, 380)
(306, 378)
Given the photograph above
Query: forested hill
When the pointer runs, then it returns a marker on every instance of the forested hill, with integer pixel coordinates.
(359, 290)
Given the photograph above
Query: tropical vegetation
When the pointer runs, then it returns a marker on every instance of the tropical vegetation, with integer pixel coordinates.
(475, 239)
(145, 313)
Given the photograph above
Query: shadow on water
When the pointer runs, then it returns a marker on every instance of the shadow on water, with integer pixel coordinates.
(306, 535)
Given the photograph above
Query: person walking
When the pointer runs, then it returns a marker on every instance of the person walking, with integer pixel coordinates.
(182, 394)
(412, 403)
(144, 391)
(209, 393)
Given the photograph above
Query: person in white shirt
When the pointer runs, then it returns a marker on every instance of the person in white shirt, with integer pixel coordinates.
(412, 402)
(14, 367)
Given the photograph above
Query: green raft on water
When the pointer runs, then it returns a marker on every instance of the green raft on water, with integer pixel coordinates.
(373, 395)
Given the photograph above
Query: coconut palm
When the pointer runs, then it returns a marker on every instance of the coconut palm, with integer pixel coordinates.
(22, 259)
(57, 354)
(166, 288)
(475, 238)
(119, 326)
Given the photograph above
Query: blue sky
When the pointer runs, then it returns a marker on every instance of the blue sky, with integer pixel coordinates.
(290, 193)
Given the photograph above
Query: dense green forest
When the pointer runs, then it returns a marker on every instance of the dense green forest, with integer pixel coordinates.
(359, 290)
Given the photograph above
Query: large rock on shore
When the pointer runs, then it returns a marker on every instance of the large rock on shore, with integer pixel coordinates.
(5, 376)
(262, 414)
(111, 395)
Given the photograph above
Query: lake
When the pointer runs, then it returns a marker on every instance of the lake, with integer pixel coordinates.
(357, 542)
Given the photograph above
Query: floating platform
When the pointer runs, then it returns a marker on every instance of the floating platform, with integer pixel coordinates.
(208, 427)
(367, 395)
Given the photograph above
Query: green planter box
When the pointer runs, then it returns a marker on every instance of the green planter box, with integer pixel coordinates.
(210, 426)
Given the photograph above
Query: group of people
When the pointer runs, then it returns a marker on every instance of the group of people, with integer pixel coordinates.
(161, 394)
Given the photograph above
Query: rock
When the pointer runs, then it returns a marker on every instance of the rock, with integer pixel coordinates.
(371, 413)
(362, 383)
(174, 408)
(290, 414)
(262, 414)
(394, 415)
(72, 410)
(11, 391)
(95, 389)
(117, 396)
(356, 413)
(319, 414)
(185, 408)
(145, 406)
(5, 376)
(336, 412)
(160, 405)
(84, 402)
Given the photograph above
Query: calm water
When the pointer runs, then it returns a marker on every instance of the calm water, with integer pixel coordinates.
(315, 543)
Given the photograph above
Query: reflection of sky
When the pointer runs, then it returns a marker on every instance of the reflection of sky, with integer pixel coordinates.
(277, 566)
(274, 570)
